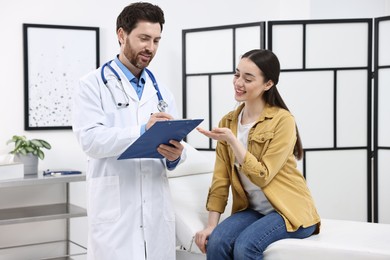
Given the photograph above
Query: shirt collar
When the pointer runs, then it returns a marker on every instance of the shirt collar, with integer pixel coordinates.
(127, 72)
(268, 112)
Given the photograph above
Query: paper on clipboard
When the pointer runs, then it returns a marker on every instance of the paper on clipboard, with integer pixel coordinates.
(160, 133)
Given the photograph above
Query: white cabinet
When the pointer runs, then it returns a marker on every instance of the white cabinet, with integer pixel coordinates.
(34, 218)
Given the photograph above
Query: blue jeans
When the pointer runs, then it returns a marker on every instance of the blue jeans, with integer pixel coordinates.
(246, 234)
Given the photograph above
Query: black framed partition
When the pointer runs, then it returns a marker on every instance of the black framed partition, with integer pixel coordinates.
(381, 173)
(210, 56)
(335, 78)
(327, 86)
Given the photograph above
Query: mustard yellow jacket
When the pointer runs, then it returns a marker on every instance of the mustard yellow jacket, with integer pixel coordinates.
(270, 164)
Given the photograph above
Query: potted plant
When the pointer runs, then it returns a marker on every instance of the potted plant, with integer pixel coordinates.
(28, 151)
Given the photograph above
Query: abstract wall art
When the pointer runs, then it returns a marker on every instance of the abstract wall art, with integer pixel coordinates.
(55, 58)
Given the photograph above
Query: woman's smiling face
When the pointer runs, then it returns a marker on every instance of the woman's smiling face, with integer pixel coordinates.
(249, 82)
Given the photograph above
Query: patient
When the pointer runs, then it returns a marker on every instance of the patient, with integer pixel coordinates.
(258, 144)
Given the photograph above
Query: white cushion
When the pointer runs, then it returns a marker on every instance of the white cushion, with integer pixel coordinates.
(338, 240)
(195, 163)
(189, 194)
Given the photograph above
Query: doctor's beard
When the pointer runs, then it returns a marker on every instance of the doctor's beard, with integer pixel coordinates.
(138, 60)
(135, 59)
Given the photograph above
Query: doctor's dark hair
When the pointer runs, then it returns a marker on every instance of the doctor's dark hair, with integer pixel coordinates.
(140, 11)
(269, 65)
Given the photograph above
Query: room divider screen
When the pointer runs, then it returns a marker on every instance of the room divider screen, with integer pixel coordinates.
(326, 81)
(381, 120)
(210, 57)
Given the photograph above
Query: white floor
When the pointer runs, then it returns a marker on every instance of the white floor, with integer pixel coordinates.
(184, 255)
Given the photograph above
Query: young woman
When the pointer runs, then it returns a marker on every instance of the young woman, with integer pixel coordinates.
(258, 144)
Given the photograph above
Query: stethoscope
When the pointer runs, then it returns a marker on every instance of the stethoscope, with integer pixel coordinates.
(161, 106)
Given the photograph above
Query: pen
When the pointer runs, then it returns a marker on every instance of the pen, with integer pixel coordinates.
(58, 173)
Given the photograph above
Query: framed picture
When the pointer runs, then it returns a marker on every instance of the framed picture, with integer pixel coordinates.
(55, 58)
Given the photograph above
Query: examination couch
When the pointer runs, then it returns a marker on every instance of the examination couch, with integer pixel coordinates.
(338, 240)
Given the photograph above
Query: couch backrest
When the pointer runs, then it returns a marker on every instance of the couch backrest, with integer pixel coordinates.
(195, 163)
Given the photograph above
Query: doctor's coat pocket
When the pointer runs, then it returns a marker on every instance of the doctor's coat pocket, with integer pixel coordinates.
(260, 142)
(168, 209)
(104, 199)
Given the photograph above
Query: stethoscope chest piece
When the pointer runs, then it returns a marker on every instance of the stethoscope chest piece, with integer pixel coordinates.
(162, 106)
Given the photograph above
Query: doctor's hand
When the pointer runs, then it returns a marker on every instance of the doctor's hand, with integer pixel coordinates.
(219, 134)
(154, 117)
(172, 151)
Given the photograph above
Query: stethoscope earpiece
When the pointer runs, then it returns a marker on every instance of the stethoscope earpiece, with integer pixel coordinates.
(123, 104)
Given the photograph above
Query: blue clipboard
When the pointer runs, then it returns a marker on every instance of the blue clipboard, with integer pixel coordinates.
(160, 133)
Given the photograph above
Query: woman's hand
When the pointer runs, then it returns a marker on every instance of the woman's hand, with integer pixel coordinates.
(219, 134)
(225, 134)
(201, 238)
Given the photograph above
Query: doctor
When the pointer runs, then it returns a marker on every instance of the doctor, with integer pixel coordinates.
(130, 214)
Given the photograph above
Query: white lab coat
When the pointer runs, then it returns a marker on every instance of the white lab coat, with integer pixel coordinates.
(130, 212)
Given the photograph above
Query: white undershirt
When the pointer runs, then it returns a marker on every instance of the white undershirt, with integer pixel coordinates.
(256, 197)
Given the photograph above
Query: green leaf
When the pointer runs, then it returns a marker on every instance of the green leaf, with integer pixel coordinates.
(45, 144)
(16, 137)
(18, 144)
(23, 151)
(29, 149)
(36, 142)
(41, 155)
